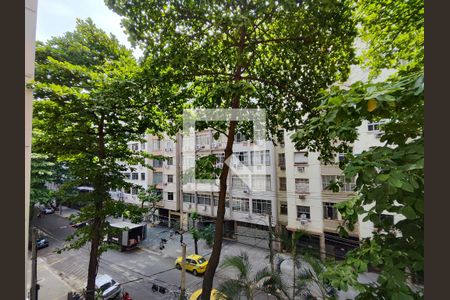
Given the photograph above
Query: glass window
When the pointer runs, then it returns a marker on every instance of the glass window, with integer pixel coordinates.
(127, 175)
(204, 199)
(157, 177)
(261, 182)
(169, 178)
(300, 158)
(301, 185)
(170, 161)
(135, 146)
(169, 195)
(240, 204)
(282, 183)
(157, 163)
(189, 198)
(262, 206)
(283, 208)
(134, 176)
(329, 211)
(156, 145)
(238, 182)
(134, 191)
(142, 176)
(143, 146)
(282, 161)
(303, 212)
(239, 137)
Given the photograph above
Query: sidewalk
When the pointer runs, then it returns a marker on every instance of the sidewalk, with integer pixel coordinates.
(52, 286)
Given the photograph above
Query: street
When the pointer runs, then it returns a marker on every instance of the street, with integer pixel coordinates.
(137, 270)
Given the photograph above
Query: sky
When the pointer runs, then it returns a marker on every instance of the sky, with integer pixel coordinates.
(55, 17)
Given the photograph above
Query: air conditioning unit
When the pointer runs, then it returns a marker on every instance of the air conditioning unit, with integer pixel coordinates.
(214, 145)
(198, 147)
(379, 134)
(303, 222)
(301, 169)
(301, 197)
(246, 190)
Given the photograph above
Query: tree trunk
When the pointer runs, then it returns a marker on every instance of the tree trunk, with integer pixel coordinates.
(93, 258)
(218, 235)
(100, 191)
(196, 246)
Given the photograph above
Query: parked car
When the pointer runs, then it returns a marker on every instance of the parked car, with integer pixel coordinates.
(107, 287)
(48, 210)
(194, 263)
(215, 295)
(40, 243)
(79, 224)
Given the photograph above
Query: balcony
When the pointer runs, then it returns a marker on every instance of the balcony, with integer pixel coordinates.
(332, 226)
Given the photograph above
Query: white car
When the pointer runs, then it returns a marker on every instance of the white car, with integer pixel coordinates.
(107, 287)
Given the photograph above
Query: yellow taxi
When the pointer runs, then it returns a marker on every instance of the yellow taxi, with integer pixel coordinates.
(215, 295)
(194, 263)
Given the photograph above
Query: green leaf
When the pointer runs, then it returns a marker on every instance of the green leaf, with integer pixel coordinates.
(408, 212)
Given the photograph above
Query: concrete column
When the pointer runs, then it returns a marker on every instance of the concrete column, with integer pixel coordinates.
(322, 246)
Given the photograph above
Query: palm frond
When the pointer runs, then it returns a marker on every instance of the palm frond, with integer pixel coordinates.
(240, 263)
(232, 288)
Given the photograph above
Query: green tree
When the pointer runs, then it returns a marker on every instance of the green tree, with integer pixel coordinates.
(43, 171)
(196, 234)
(274, 55)
(150, 198)
(245, 284)
(89, 104)
(390, 178)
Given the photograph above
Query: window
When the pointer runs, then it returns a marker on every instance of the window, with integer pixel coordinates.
(157, 177)
(204, 199)
(374, 126)
(156, 145)
(301, 185)
(142, 176)
(202, 140)
(300, 158)
(216, 201)
(127, 175)
(241, 204)
(169, 178)
(189, 198)
(242, 157)
(261, 183)
(341, 157)
(283, 208)
(134, 176)
(348, 185)
(267, 158)
(170, 196)
(239, 137)
(238, 182)
(385, 220)
(329, 211)
(169, 146)
(127, 190)
(220, 158)
(134, 191)
(135, 147)
(259, 158)
(282, 161)
(303, 212)
(143, 146)
(262, 206)
(282, 183)
(170, 161)
(157, 163)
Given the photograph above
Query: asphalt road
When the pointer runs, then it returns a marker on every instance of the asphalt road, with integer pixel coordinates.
(137, 270)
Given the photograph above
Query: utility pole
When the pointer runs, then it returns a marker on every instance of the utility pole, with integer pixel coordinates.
(271, 255)
(33, 289)
(183, 272)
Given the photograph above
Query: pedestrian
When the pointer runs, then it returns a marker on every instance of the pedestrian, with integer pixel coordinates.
(126, 296)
